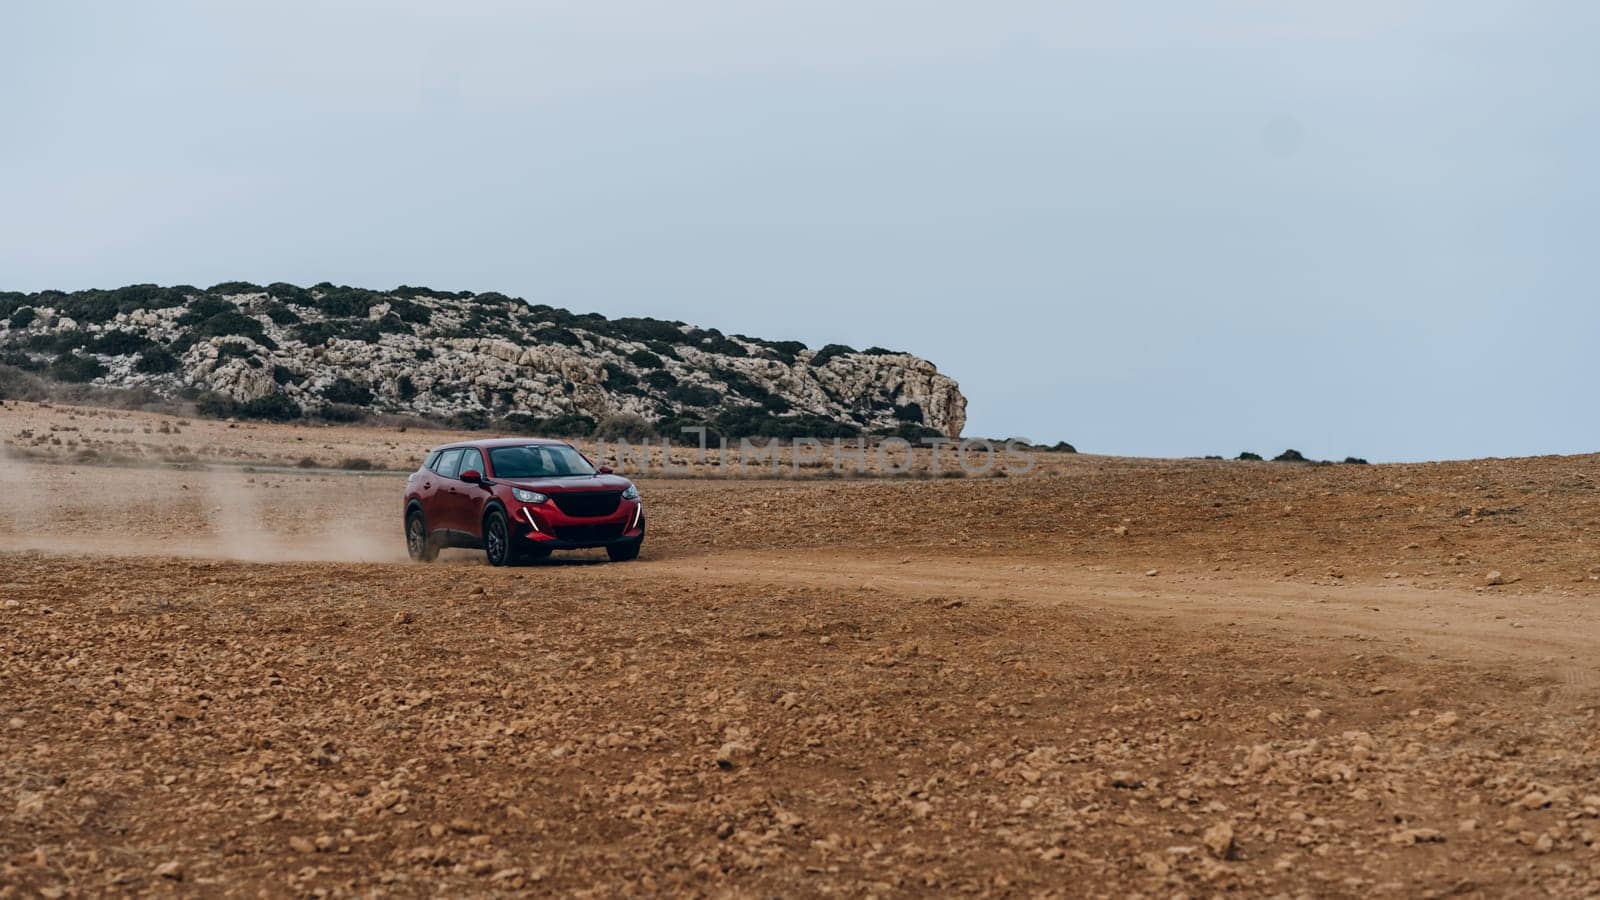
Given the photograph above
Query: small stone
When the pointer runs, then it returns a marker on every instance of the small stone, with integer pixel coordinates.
(170, 869)
(12, 604)
(1467, 826)
(1494, 578)
(1447, 719)
(476, 590)
(1407, 837)
(402, 618)
(1259, 760)
(1313, 715)
(1219, 840)
(1152, 573)
(730, 755)
(302, 844)
(1534, 800)
(1126, 780)
(789, 700)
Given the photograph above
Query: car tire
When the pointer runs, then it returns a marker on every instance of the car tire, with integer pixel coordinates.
(420, 545)
(624, 552)
(497, 539)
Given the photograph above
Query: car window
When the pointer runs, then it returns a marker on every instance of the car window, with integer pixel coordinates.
(471, 460)
(449, 463)
(538, 461)
(429, 462)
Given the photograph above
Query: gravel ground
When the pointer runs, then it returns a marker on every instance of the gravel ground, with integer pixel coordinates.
(1112, 678)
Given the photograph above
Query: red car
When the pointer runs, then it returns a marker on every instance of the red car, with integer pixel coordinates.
(518, 499)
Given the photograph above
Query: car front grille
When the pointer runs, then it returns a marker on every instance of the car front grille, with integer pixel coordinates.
(588, 503)
(589, 534)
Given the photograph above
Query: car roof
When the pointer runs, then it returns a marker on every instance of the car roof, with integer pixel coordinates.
(485, 443)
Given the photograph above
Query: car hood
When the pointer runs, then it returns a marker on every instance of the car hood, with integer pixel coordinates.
(566, 485)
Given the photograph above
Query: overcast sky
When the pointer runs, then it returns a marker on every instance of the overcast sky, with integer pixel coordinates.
(1147, 228)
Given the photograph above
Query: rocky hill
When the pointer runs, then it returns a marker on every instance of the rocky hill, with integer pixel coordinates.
(472, 360)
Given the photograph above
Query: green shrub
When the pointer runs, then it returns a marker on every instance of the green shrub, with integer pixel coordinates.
(470, 420)
(236, 287)
(909, 431)
(231, 323)
(284, 375)
(911, 412)
(715, 343)
(1247, 456)
(156, 361)
(274, 407)
(829, 352)
(618, 378)
(570, 424)
(343, 390)
(121, 343)
(19, 359)
(1289, 456)
(314, 334)
(560, 336)
(665, 349)
(204, 308)
(661, 380)
(215, 405)
(391, 324)
(693, 395)
(76, 368)
(10, 302)
(644, 359)
(785, 351)
(415, 313)
(1355, 461)
(23, 317)
(288, 293)
(624, 426)
(404, 388)
(280, 314)
(341, 413)
(346, 302)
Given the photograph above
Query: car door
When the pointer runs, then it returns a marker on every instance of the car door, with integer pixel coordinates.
(469, 502)
(444, 512)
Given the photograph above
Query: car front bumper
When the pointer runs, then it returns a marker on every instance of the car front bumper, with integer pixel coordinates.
(545, 526)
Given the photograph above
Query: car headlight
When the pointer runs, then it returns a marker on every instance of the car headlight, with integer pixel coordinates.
(632, 493)
(528, 496)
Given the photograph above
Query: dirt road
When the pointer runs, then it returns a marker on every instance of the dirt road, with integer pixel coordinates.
(226, 682)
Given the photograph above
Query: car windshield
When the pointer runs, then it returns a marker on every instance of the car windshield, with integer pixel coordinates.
(538, 461)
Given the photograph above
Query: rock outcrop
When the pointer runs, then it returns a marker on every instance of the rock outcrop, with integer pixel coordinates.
(281, 351)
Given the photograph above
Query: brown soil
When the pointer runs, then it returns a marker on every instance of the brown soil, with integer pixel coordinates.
(1109, 677)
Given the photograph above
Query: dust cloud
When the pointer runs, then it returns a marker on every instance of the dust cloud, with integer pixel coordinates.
(209, 512)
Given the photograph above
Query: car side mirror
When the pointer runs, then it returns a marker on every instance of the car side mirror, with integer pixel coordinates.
(604, 470)
(471, 476)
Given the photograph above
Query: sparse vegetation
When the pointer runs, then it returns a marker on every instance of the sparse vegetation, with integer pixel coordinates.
(347, 391)
(457, 362)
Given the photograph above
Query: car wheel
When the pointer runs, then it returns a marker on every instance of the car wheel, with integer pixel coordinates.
(625, 552)
(497, 538)
(418, 544)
